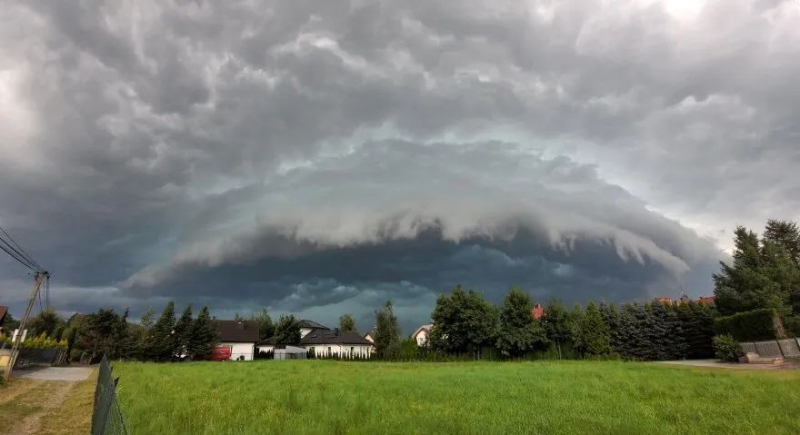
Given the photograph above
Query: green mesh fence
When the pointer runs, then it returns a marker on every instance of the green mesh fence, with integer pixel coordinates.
(107, 417)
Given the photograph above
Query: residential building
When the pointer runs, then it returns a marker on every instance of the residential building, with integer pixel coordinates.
(237, 339)
(322, 341)
(421, 334)
(370, 336)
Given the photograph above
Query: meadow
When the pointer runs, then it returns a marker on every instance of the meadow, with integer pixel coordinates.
(570, 397)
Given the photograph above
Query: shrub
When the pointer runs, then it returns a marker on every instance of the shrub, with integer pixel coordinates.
(755, 325)
(726, 348)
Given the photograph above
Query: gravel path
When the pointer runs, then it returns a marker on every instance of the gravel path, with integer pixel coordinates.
(71, 374)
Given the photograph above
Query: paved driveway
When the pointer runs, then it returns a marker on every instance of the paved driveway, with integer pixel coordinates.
(70, 374)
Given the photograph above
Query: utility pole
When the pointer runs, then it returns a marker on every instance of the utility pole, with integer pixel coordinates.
(38, 278)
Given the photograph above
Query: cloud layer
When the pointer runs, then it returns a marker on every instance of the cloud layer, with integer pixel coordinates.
(318, 157)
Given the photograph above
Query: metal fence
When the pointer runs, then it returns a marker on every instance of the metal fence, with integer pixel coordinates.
(107, 417)
(788, 348)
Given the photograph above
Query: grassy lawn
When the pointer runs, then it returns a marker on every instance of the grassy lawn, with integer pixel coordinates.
(321, 397)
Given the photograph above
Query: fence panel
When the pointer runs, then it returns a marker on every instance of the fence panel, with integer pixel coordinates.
(789, 347)
(107, 418)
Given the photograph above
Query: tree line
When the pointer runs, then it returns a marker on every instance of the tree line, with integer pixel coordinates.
(89, 336)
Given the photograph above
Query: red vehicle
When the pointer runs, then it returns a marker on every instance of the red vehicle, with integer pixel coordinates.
(221, 353)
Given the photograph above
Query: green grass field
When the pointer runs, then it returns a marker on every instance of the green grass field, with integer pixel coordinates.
(322, 397)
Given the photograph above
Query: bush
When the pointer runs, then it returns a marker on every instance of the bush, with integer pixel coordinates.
(727, 349)
(761, 324)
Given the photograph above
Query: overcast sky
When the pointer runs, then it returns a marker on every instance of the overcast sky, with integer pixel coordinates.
(320, 157)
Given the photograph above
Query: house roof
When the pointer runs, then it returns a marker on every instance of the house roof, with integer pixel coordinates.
(234, 331)
(3, 312)
(310, 324)
(334, 337)
(371, 333)
(422, 328)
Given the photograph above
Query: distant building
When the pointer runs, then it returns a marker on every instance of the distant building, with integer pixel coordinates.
(708, 300)
(421, 334)
(537, 311)
(320, 340)
(237, 339)
(663, 300)
(370, 336)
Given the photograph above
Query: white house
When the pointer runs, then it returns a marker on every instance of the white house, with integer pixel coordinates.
(323, 341)
(370, 336)
(237, 338)
(421, 334)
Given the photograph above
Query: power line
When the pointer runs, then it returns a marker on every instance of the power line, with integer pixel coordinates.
(22, 262)
(19, 249)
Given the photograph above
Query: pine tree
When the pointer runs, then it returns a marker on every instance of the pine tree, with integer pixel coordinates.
(160, 343)
(204, 336)
(183, 332)
(519, 332)
(595, 340)
(611, 317)
(698, 330)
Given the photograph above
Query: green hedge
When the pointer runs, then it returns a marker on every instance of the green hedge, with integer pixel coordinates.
(749, 326)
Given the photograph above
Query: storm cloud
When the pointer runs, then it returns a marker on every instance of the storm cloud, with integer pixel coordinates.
(320, 157)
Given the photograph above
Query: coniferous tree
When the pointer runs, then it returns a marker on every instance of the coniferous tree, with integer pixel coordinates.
(576, 331)
(160, 342)
(204, 336)
(519, 333)
(183, 332)
(698, 330)
(595, 339)
(611, 317)
(634, 321)
(387, 333)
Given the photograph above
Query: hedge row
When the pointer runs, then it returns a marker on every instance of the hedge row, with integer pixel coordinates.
(752, 325)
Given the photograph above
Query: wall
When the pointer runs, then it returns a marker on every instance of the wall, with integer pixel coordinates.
(240, 349)
(421, 337)
(359, 350)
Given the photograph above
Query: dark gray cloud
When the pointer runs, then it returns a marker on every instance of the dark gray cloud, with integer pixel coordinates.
(259, 153)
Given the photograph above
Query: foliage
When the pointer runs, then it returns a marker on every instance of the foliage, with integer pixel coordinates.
(557, 325)
(183, 333)
(287, 331)
(593, 338)
(518, 333)
(266, 328)
(160, 344)
(698, 329)
(45, 322)
(750, 325)
(409, 349)
(463, 322)
(204, 336)
(347, 323)
(387, 333)
(727, 348)
(104, 332)
(764, 273)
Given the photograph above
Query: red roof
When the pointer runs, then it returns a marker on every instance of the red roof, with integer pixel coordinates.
(537, 311)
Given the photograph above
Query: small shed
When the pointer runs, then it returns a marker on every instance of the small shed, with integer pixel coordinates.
(291, 352)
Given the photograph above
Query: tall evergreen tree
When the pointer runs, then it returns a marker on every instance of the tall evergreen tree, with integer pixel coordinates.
(204, 336)
(611, 317)
(387, 333)
(519, 332)
(183, 332)
(557, 325)
(160, 343)
(787, 235)
(595, 339)
(698, 330)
